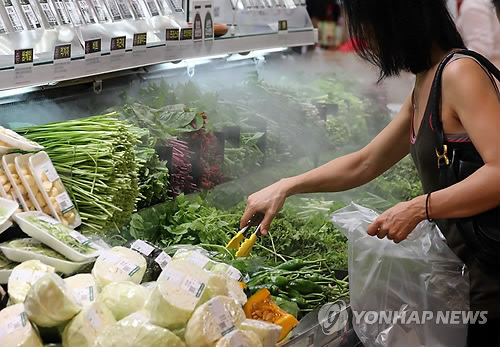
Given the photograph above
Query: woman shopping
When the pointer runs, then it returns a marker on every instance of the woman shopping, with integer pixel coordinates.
(453, 109)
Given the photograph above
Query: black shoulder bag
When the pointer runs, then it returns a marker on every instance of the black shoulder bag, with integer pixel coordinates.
(456, 161)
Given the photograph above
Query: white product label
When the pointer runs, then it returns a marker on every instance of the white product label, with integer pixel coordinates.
(173, 276)
(26, 275)
(51, 18)
(87, 15)
(99, 11)
(73, 12)
(142, 247)
(153, 9)
(61, 10)
(193, 287)
(65, 202)
(163, 259)
(79, 237)
(14, 18)
(122, 264)
(48, 219)
(84, 294)
(221, 317)
(49, 171)
(124, 10)
(30, 16)
(234, 273)
(113, 9)
(136, 7)
(17, 322)
(198, 259)
(238, 339)
(94, 319)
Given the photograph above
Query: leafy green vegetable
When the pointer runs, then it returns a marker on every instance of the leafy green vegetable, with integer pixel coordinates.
(34, 246)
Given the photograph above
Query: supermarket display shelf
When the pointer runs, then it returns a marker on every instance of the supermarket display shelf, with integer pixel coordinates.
(97, 64)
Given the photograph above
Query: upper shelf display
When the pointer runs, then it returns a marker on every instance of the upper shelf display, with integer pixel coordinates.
(46, 41)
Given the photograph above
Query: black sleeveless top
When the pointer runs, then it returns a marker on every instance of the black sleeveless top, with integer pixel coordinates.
(484, 288)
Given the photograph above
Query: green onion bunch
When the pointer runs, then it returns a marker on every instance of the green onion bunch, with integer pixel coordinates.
(95, 158)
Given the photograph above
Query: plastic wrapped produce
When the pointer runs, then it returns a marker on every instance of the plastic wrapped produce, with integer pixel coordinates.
(124, 298)
(268, 333)
(83, 287)
(23, 277)
(50, 302)
(16, 330)
(212, 320)
(239, 338)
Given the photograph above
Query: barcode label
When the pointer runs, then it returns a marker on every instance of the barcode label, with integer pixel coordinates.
(153, 9)
(63, 14)
(94, 319)
(51, 18)
(26, 275)
(30, 16)
(173, 276)
(65, 202)
(124, 10)
(99, 11)
(221, 317)
(198, 259)
(48, 219)
(163, 259)
(234, 273)
(79, 237)
(49, 171)
(122, 264)
(136, 7)
(193, 287)
(87, 15)
(113, 9)
(237, 339)
(73, 12)
(142, 247)
(17, 322)
(14, 18)
(84, 295)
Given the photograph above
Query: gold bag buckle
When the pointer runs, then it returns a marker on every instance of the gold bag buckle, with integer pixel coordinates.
(442, 158)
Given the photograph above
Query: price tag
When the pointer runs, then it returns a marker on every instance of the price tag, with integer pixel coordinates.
(142, 247)
(172, 35)
(61, 11)
(193, 287)
(234, 273)
(62, 52)
(186, 34)
(13, 16)
(47, 11)
(84, 295)
(49, 171)
(48, 219)
(221, 317)
(124, 9)
(65, 202)
(99, 11)
(198, 259)
(73, 12)
(140, 39)
(118, 43)
(137, 9)
(94, 319)
(79, 237)
(282, 25)
(163, 259)
(172, 275)
(87, 14)
(11, 325)
(153, 9)
(92, 46)
(23, 56)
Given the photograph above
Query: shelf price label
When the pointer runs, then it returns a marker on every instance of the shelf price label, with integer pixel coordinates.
(172, 35)
(140, 39)
(282, 25)
(186, 34)
(118, 43)
(23, 56)
(62, 52)
(92, 46)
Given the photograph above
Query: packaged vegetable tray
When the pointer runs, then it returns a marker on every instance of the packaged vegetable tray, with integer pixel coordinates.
(18, 190)
(28, 181)
(7, 209)
(10, 140)
(6, 189)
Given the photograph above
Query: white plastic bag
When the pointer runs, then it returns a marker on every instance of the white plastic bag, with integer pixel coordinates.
(394, 288)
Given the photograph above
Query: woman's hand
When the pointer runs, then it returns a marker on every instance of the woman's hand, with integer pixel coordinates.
(268, 201)
(399, 221)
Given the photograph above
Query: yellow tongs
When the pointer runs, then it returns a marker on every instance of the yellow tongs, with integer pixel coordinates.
(246, 247)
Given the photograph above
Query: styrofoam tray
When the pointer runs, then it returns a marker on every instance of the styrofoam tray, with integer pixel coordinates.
(17, 141)
(22, 163)
(20, 255)
(6, 225)
(44, 237)
(6, 160)
(41, 163)
(9, 206)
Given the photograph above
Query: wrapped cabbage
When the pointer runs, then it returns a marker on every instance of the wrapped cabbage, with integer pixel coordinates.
(124, 298)
(83, 287)
(16, 330)
(212, 320)
(180, 288)
(135, 331)
(194, 257)
(238, 338)
(83, 330)
(268, 333)
(50, 303)
(229, 270)
(119, 264)
(23, 276)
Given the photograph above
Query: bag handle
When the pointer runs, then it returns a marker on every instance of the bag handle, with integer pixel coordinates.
(435, 100)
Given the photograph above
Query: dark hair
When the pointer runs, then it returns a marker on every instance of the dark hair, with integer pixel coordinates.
(398, 35)
(497, 4)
